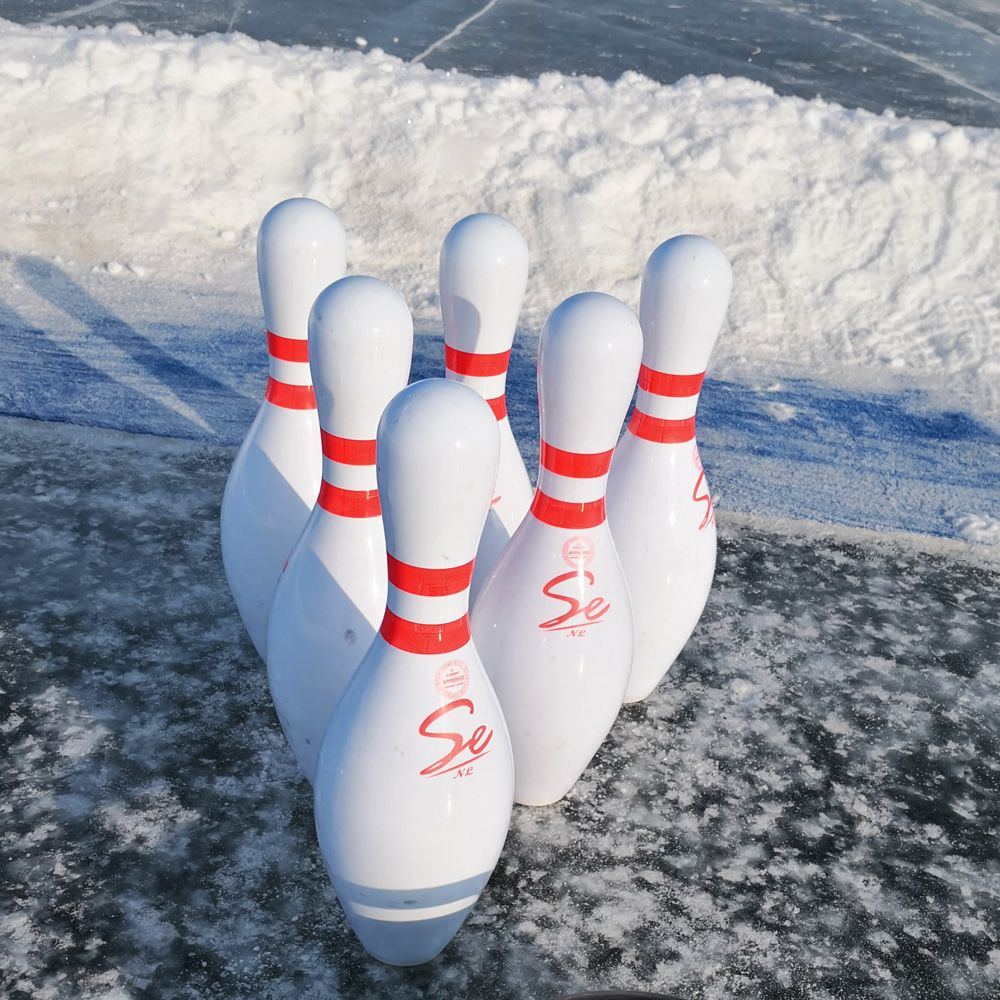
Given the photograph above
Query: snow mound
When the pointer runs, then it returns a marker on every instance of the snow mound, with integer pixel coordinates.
(980, 528)
(859, 241)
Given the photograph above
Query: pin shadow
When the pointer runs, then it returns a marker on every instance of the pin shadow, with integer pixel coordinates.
(70, 389)
(187, 383)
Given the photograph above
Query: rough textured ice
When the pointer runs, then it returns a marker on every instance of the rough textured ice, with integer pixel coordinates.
(806, 807)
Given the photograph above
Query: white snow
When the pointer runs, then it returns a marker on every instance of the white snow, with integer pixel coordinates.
(864, 246)
(781, 412)
(979, 528)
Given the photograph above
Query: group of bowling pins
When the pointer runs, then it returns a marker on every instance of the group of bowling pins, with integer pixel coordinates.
(363, 517)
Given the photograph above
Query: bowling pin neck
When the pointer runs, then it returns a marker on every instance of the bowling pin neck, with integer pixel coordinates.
(571, 487)
(427, 610)
(486, 373)
(349, 487)
(289, 382)
(665, 406)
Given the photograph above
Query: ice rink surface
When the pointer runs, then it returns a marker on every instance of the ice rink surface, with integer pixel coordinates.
(927, 60)
(806, 807)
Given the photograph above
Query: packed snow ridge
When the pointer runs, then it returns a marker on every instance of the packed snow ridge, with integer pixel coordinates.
(141, 165)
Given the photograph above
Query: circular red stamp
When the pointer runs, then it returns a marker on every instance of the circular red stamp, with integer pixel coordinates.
(578, 551)
(452, 679)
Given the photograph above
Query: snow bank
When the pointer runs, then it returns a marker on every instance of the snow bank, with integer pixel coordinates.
(140, 165)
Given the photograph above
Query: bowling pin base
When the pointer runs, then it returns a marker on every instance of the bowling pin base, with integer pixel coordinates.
(545, 795)
(409, 927)
(537, 801)
(641, 687)
(656, 651)
(642, 693)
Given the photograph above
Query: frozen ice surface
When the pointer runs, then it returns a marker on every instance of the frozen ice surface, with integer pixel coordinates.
(929, 60)
(807, 807)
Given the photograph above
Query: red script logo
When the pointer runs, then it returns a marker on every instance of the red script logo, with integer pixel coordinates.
(703, 498)
(463, 751)
(577, 616)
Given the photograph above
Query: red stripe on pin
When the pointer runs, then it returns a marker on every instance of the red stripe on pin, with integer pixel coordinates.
(642, 425)
(665, 384)
(429, 582)
(499, 406)
(291, 397)
(576, 465)
(348, 451)
(349, 503)
(287, 348)
(416, 637)
(566, 513)
(482, 365)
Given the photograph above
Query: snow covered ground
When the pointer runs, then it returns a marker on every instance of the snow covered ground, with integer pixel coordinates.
(806, 808)
(866, 266)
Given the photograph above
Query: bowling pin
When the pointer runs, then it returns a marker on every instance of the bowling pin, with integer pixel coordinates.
(483, 273)
(553, 622)
(659, 506)
(415, 779)
(275, 478)
(330, 598)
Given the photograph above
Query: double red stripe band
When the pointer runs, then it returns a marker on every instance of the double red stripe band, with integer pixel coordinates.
(659, 430)
(349, 503)
(287, 348)
(414, 637)
(567, 513)
(665, 384)
(429, 582)
(291, 397)
(348, 451)
(483, 365)
(499, 406)
(576, 465)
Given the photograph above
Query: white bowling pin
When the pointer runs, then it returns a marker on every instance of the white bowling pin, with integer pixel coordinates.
(275, 478)
(659, 506)
(483, 273)
(553, 623)
(415, 779)
(330, 598)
